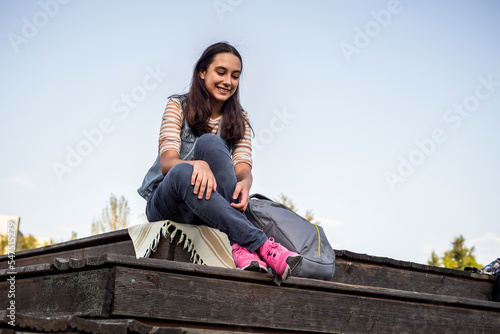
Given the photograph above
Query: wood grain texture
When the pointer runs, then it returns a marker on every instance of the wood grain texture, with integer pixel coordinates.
(95, 240)
(86, 293)
(122, 247)
(345, 255)
(408, 280)
(217, 301)
(303, 283)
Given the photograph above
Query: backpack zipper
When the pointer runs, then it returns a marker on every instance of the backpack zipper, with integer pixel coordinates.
(319, 240)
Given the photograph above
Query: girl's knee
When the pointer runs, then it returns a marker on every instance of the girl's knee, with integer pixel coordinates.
(208, 140)
(209, 144)
(181, 171)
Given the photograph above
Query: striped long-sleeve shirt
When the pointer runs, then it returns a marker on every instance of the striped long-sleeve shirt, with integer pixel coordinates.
(171, 128)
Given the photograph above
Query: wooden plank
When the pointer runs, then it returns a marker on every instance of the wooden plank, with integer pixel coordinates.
(122, 247)
(61, 264)
(217, 301)
(89, 326)
(386, 293)
(6, 331)
(189, 268)
(303, 283)
(395, 278)
(42, 323)
(33, 269)
(76, 263)
(188, 330)
(70, 323)
(198, 328)
(345, 255)
(86, 293)
(115, 326)
(95, 240)
(134, 326)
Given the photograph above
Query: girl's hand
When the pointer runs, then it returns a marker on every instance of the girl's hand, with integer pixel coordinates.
(241, 191)
(203, 179)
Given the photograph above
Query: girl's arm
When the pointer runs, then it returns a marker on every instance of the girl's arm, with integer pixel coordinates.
(202, 178)
(242, 190)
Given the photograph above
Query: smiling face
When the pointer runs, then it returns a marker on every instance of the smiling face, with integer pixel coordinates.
(221, 78)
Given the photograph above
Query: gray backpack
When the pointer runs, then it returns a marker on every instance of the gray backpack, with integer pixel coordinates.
(295, 233)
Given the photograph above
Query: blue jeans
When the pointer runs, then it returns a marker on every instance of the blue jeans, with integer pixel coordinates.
(174, 198)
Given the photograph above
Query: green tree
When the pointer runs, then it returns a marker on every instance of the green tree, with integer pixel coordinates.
(26, 242)
(114, 216)
(458, 257)
(4, 242)
(434, 261)
(285, 200)
(310, 217)
(74, 235)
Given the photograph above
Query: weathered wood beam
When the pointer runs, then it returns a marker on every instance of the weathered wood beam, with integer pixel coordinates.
(208, 300)
(85, 293)
(40, 268)
(171, 291)
(309, 283)
(386, 277)
(7, 331)
(71, 324)
(95, 240)
(344, 255)
(122, 247)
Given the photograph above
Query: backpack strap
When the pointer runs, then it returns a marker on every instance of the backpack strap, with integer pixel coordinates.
(259, 196)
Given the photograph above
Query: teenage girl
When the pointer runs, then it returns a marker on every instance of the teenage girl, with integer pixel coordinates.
(203, 172)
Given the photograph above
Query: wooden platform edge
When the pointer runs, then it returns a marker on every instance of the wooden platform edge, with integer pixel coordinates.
(345, 255)
(116, 260)
(341, 255)
(27, 323)
(100, 239)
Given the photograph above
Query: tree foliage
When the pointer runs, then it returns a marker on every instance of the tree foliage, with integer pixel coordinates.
(285, 200)
(458, 257)
(434, 260)
(4, 242)
(114, 216)
(74, 236)
(24, 242)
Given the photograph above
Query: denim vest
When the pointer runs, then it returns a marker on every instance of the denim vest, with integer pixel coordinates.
(188, 140)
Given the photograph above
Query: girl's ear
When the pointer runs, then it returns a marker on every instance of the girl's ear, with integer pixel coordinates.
(202, 74)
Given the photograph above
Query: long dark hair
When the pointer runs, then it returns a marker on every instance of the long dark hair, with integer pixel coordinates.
(198, 104)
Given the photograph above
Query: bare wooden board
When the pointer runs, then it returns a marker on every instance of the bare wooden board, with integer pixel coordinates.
(122, 247)
(200, 270)
(71, 323)
(169, 296)
(409, 280)
(100, 239)
(87, 293)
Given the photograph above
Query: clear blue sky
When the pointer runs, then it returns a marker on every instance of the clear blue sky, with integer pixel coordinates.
(380, 116)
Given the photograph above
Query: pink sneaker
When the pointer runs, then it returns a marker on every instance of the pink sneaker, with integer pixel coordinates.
(246, 260)
(280, 259)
